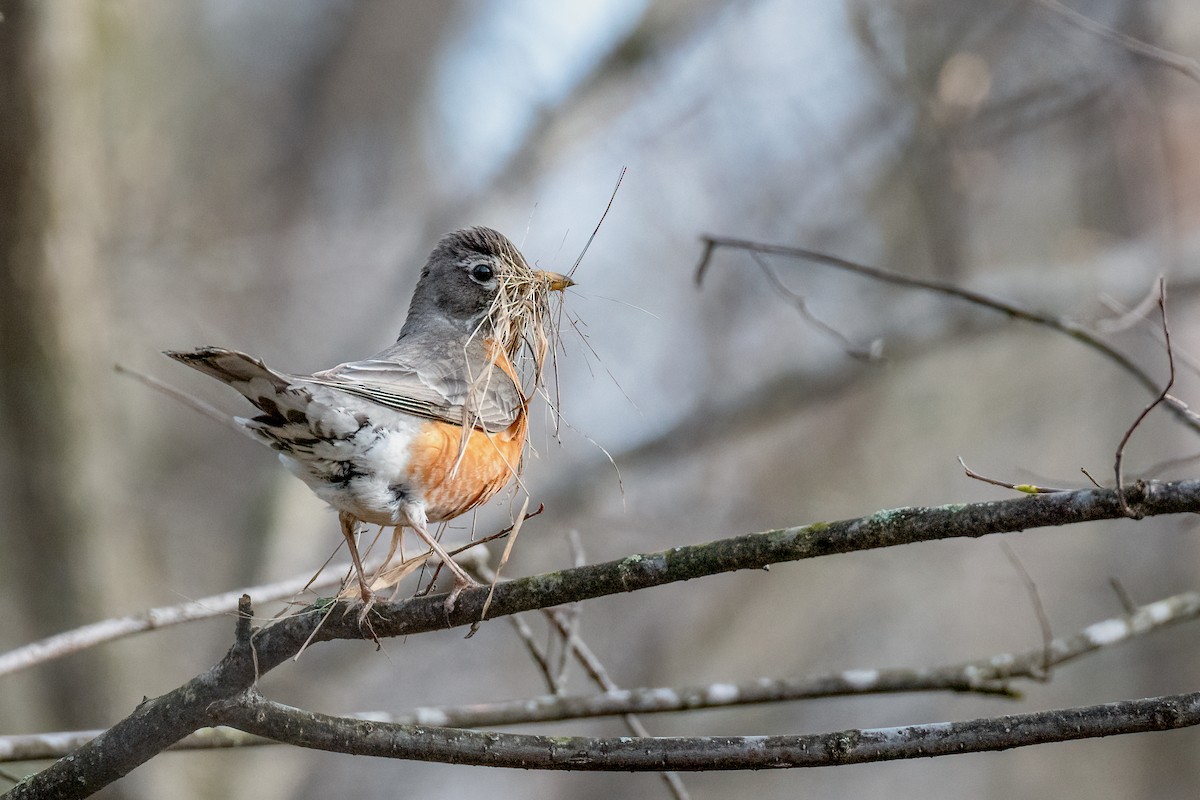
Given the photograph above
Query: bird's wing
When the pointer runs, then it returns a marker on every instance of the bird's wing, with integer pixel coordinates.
(428, 385)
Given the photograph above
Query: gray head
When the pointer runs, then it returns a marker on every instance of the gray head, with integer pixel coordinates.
(463, 278)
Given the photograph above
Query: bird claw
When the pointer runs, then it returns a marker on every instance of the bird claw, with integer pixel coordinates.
(460, 583)
(368, 603)
(369, 598)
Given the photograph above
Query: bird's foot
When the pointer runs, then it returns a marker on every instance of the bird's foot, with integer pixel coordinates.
(367, 604)
(461, 581)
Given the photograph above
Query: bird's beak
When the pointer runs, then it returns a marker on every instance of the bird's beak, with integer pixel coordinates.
(555, 281)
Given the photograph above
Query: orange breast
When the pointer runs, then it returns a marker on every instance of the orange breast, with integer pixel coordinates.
(452, 484)
(455, 478)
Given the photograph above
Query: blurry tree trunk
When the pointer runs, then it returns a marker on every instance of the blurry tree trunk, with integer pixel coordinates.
(51, 347)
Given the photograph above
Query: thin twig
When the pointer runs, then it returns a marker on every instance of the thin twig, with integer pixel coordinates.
(1025, 488)
(565, 624)
(1122, 595)
(596, 671)
(1180, 409)
(479, 567)
(508, 546)
(854, 350)
(572, 612)
(1162, 396)
(1137, 316)
(191, 401)
(541, 660)
(96, 633)
(1127, 317)
(472, 544)
(1039, 610)
(1187, 66)
(499, 534)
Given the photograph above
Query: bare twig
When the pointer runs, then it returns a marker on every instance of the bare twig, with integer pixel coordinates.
(192, 402)
(872, 352)
(1127, 316)
(1137, 316)
(223, 604)
(1122, 595)
(565, 624)
(1162, 396)
(1187, 66)
(478, 566)
(572, 613)
(1039, 610)
(1026, 488)
(485, 540)
(1180, 409)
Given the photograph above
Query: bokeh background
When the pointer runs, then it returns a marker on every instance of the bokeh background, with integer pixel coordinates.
(270, 176)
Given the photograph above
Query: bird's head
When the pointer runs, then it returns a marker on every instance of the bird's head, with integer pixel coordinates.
(477, 276)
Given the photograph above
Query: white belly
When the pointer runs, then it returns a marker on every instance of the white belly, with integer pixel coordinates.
(364, 474)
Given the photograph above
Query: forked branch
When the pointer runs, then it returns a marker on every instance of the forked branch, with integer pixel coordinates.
(1065, 326)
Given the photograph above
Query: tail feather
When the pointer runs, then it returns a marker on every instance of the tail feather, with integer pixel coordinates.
(272, 392)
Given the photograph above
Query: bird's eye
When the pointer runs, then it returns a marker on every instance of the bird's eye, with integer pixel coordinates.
(482, 273)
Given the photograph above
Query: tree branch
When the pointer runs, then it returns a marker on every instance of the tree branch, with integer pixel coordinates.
(157, 724)
(223, 604)
(696, 753)
(1081, 334)
(986, 676)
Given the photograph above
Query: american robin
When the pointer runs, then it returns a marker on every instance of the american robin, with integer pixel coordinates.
(432, 426)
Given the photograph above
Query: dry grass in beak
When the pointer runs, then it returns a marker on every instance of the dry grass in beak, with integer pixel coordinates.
(523, 331)
(522, 322)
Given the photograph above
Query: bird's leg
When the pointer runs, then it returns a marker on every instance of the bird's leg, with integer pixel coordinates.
(397, 534)
(349, 525)
(417, 521)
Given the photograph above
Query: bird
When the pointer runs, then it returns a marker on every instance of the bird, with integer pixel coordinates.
(428, 428)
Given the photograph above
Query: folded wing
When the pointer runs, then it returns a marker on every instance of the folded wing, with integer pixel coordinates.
(467, 390)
